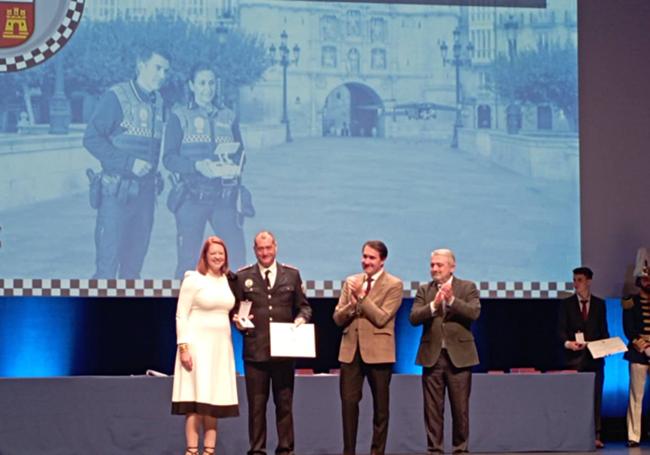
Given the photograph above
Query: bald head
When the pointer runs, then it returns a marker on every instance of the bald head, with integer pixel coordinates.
(265, 248)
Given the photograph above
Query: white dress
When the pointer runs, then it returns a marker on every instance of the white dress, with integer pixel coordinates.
(203, 322)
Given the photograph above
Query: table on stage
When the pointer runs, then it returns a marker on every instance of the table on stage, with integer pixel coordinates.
(131, 415)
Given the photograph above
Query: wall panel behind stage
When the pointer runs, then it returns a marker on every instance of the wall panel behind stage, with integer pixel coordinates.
(614, 134)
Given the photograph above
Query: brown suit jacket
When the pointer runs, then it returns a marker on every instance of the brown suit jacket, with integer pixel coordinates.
(372, 328)
(455, 325)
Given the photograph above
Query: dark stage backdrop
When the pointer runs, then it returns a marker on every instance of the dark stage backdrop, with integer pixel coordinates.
(109, 336)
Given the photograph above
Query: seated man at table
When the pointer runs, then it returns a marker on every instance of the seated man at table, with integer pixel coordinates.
(583, 318)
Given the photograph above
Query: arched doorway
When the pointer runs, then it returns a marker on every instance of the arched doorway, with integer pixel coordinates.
(353, 109)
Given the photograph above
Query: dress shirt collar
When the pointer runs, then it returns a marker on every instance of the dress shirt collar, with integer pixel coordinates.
(273, 268)
(374, 277)
(450, 281)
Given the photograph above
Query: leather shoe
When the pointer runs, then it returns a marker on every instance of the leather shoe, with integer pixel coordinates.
(599, 444)
(632, 444)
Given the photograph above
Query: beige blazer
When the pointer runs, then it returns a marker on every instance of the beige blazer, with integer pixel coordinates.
(371, 326)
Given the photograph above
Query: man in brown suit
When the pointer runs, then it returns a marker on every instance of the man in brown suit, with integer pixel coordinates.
(366, 311)
(446, 307)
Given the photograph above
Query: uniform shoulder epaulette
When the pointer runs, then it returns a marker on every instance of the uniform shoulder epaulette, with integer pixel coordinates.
(289, 266)
(627, 303)
(246, 267)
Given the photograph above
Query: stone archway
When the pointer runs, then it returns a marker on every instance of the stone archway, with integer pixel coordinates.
(353, 109)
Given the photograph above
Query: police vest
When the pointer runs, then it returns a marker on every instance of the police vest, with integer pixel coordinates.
(202, 131)
(142, 124)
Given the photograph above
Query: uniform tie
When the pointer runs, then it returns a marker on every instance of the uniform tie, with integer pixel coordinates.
(267, 279)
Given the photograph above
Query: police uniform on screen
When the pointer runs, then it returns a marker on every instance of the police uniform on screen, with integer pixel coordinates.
(131, 123)
(192, 135)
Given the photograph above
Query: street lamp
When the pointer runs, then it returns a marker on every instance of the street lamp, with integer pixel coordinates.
(461, 56)
(511, 27)
(59, 105)
(285, 59)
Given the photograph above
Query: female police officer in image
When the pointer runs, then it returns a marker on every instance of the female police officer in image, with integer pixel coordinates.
(203, 149)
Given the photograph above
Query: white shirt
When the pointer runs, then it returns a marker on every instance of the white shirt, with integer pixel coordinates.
(446, 304)
(374, 278)
(273, 268)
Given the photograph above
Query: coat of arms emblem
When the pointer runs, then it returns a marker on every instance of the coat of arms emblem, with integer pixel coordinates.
(16, 22)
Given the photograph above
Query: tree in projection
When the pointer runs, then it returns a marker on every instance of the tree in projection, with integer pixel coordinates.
(101, 54)
(544, 75)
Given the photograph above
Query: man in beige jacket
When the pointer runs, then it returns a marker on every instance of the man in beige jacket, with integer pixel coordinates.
(366, 311)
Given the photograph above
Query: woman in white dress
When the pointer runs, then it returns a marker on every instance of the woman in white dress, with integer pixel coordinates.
(205, 384)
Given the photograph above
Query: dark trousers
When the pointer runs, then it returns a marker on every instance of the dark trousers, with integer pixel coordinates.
(122, 232)
(191, 218)
(351, 385)
(598, 394)
(458, 381)
(260, 377)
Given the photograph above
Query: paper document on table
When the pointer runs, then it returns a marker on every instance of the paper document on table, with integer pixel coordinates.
(287, 340)
(605, 347)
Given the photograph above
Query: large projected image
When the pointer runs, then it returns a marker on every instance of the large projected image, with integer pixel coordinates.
(425, 126)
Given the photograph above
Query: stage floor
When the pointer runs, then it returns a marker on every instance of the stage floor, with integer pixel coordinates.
(131, 415)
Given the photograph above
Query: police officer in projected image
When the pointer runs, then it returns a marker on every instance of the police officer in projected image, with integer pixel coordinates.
(124, 134)
(276, 295)
(366, 311)
(203, 149)
(446, 307)
(636, 324)
(205, 383)
(583, 318)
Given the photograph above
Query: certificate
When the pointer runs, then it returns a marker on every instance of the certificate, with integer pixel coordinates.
(287, 340)
(607, 346)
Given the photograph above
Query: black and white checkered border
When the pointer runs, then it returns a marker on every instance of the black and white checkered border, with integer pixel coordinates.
(313, 288)
(51, 45)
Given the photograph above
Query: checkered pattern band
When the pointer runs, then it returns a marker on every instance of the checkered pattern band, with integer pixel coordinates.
(313, 288)
(51, 46)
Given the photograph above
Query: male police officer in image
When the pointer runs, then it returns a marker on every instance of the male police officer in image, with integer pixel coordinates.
(275, 291)
(124, 135)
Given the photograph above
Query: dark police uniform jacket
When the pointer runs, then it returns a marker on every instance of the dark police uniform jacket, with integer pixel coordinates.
(284, 302)
(636, 324)
(127, 125)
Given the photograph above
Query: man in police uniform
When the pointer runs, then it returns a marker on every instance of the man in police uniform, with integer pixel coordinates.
(636, 325)
(275, 291)
(124, 135)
